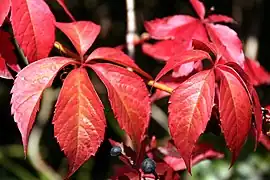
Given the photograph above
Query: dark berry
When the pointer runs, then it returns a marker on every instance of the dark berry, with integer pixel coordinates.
(116, 151)
(148, 166)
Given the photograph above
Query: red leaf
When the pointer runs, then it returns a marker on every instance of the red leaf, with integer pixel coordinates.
(129, 99)
(4, 9)
(165, 28)
(27, 91)
(115, 56)
(62, 4)
(190, 110)
(199, 8)
(184, 57)
(224, 36)
(4, 72)
(265, 140)
(82, 34)
(7, 52)
(215, 18)
(201, 152)
(256, 72)
(235, 111)
(253, 96)
(79, 121)
(205, 46)
(33, 26)
(163, 50)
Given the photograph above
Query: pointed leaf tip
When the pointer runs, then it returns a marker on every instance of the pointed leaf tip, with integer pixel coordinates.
(82, 34)
(79, 120)
(199, 8)
(129, 99)
(4, 9)
(190, 112)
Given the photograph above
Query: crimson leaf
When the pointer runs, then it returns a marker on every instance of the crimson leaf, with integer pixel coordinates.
(4, 9)
(81, 33)
(235, 111)
(33, 26)
(129, 99)
(190, 110)
(27, 91)
(79, 121)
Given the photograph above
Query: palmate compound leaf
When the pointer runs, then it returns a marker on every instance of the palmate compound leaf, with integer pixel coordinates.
(115, 56)
(190, 110)
(235, 111)
(27, 91)
(4, 9)
(79, 120)
(129, 99)
(82, 34)
(33, 27)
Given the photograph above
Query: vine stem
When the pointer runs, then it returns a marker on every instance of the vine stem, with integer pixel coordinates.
(151, 83)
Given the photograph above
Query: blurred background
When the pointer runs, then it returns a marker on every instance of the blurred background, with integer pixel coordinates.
(253, 27)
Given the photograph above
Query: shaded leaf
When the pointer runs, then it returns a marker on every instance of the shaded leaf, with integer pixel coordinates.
(4, 72)
(27, 91)
(190, 110)
(199, 8)
(4, 9)
(63, 5)
(257, 74)
(235, 111)
(115, 56)
(79, 120)
(128, 97)
(184, 57)
(82, 34)
(7, 51)
(201, 152)
(33, 27)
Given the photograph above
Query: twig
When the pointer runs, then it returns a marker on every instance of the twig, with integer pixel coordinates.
(64, 50)
(131, 27)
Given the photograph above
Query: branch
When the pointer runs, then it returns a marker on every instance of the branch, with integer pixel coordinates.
(131, 27)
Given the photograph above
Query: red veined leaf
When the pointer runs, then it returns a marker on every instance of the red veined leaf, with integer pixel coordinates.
(4, 72)
(256, 72)
(129, 99)
(82, 34)
(33, 26)
(199, 8)
(184, 57)
(165, 28)
(190, 110)
(201, 152)
(79, 120)
(115, 56)
(253, 97)
(4, 9)
(6, 51)
(170, 174)
(28, 88)
(224, 36)
(215, 18)
(235, 111)
(62, 4)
